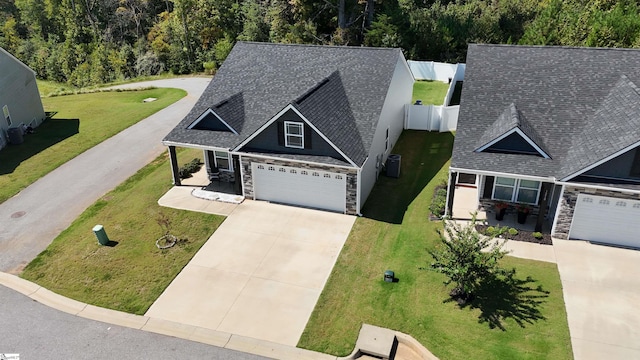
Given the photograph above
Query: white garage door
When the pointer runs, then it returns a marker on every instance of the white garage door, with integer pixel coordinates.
(296, 186)
(607, 220)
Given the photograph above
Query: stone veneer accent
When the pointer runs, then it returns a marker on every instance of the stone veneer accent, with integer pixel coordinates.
(351, 174)
(227, 176)
(566, 209)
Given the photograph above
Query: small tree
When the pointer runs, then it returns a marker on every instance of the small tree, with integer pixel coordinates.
(467, 258)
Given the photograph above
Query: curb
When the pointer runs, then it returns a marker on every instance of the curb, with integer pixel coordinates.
(159, 326)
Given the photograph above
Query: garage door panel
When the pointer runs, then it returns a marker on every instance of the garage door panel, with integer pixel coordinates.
(607, 220)
(297, 186)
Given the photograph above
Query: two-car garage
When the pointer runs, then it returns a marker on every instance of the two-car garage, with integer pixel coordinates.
(607, 220)
(299, 186)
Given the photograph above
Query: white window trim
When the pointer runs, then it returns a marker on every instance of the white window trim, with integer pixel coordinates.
(228, 158)
(286, 134)
(516, 189)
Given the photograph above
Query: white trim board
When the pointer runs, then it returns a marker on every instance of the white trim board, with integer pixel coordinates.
(522, 135)
(598, 163)
(207, 112)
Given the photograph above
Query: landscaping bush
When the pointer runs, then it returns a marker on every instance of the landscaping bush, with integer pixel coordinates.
(439, 201)
(537, 235)
(189, 168)
(513, 231)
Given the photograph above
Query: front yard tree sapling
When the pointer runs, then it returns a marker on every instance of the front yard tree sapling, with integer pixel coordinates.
(466, 258)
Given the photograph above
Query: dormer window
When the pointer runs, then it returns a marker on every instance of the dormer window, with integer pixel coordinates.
(294, 134)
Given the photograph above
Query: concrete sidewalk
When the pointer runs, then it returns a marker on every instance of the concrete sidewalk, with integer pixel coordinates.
(160, 326)
(49, 205)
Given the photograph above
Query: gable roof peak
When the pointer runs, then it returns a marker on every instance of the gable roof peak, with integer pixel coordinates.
(512, 122)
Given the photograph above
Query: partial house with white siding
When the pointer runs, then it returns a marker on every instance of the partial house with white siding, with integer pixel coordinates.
(19, 96)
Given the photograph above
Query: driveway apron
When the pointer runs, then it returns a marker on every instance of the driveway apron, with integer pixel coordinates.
(601, 289)
(260, 274)
(33, 218)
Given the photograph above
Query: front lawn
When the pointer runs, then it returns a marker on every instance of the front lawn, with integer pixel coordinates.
(81, 122)
(514, 320)
(130, 274)
(430, 92)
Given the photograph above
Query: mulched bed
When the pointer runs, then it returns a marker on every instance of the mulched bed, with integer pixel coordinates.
(521, 236)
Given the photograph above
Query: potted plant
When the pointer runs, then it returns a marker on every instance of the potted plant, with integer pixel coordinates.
(501, 208)
(523, 212)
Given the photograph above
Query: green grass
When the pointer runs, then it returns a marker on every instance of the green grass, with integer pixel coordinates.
(47, 87)
(430, 92)
(52, 88)
(395, 234)
(132, 274)
(81, 122)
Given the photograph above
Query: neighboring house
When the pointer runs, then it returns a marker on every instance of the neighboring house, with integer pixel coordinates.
(299, 124)
(557, 128)
(19, 96)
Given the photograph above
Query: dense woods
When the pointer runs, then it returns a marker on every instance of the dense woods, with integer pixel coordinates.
(85, 42)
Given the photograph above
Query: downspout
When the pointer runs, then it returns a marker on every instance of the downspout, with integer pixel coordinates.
(358, 186)
(446, 208)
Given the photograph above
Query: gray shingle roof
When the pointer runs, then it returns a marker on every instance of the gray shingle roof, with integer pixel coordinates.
(575, 101)
(263, 78)
(507, 121)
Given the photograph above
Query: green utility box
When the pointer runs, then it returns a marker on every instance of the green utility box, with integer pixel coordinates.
(103, 239)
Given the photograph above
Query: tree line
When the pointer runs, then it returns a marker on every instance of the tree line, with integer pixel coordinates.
(84, 42)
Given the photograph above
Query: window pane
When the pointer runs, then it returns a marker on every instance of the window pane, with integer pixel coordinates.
(529, 184)
(505, 181)
(223, 164)
(294, 129)
(527, 196)
(503, 193)
(222, 155)
(294, 141)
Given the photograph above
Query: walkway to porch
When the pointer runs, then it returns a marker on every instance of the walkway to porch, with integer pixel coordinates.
(465, 203)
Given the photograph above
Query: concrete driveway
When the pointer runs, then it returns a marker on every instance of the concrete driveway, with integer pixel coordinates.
(601, 290)
(260, 274)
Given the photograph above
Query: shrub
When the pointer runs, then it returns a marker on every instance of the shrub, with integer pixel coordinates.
(512, 232)
(490, 231)
(439, 201)
(537, 235)
(466, 259)
(189, 168)
(148, 64)
(209, 67)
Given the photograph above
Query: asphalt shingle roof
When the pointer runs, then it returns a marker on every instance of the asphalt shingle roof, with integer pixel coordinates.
(507, 121)
(340, 90)
(576, 102)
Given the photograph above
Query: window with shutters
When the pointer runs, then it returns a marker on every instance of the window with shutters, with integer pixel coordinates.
(294, 134)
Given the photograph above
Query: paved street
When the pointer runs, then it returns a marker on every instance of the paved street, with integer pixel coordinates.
(36, 331)
(50, 204)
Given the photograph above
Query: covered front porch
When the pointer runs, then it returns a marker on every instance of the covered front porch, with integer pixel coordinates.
(202, 191)
(475, 192)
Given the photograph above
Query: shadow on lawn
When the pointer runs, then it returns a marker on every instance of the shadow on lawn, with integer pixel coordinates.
(423, 155)
(51, 132)
(501, 298)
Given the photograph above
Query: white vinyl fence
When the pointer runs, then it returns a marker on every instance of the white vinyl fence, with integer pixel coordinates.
(431, 117)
